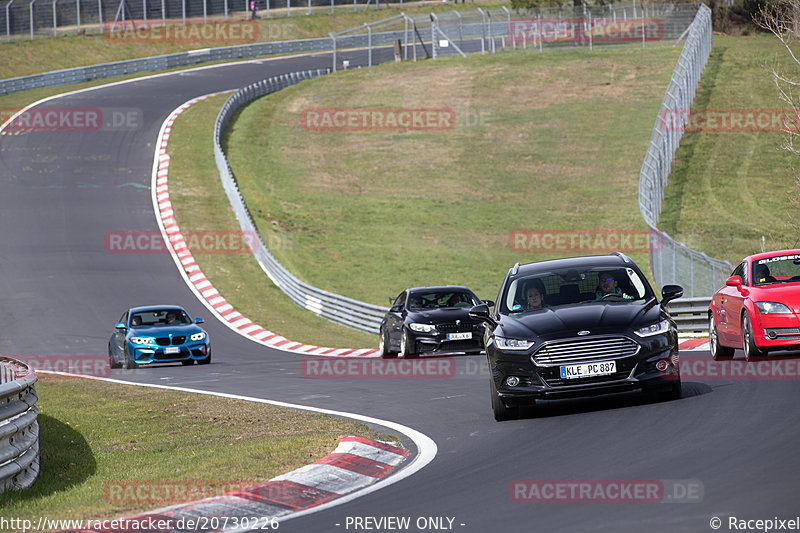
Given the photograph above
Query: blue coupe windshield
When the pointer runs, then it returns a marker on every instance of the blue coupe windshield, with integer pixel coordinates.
(160, 317)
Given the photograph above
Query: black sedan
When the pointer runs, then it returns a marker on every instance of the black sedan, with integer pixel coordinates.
(596, 328)
(432, 320)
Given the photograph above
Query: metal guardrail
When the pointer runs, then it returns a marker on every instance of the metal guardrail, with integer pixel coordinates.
(491, 28)
(672, 261)
(19, 428)
(690, 314)
(347, 311)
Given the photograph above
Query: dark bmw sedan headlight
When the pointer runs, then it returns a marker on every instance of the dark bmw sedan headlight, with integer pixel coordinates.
(422, 328)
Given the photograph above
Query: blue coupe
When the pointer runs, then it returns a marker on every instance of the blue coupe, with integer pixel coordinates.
(158, 334)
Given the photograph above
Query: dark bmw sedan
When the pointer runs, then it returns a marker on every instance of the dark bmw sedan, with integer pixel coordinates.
(432, 320)
(578, 327)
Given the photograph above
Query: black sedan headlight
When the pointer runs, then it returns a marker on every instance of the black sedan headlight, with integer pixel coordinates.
(513, 344)
(422, 328)
(654, 329)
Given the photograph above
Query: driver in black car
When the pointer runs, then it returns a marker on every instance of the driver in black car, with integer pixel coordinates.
(608, 285)
(534, 295)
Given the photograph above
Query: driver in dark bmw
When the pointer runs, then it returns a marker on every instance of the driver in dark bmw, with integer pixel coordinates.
(578, 345)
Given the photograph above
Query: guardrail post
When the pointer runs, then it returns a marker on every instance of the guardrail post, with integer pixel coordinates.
(369, 45)
(54, 18)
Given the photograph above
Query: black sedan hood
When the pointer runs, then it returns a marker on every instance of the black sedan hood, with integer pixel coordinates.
(442, 315)
(567, 320)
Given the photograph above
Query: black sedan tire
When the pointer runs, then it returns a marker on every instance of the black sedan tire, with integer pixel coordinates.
(718, 351)
(406, 346)
(501, 411)
(383, 344)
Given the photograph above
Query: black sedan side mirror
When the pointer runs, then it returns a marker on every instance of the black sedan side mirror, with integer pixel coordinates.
(481, 312)
(670, 292)
(489, 303)
(395, 309)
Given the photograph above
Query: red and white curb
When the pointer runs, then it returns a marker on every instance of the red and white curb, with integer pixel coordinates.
(699, 344)
(356, 463)
(198, 281)
(357, 467)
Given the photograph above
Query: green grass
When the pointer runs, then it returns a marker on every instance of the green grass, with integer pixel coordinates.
(95, 435)
(200, 203)
(368, 213)
(728, 189)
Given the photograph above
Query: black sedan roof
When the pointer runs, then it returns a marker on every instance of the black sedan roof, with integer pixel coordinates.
(589, 261)
(435, 288)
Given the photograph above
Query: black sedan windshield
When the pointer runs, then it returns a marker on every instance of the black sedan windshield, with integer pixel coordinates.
(441, 299)
(571, 286)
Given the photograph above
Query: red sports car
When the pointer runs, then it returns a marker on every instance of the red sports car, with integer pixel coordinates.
(758, 309)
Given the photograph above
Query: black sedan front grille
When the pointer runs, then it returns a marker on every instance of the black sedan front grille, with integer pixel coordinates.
(570, 351)
(166, 341)
(457, 328)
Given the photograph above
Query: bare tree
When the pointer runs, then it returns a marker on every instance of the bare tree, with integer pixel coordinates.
(782, 19)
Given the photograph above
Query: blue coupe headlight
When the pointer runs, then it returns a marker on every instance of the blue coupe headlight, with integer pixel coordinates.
(198, 336)
(143, 340)
(773, 308)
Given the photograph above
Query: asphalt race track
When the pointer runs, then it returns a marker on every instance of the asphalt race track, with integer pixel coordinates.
(62, 292)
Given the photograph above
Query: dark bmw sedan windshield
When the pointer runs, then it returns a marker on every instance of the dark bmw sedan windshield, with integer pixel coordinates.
(577, 327)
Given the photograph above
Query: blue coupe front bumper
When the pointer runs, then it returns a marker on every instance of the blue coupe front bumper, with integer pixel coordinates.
(143, 354)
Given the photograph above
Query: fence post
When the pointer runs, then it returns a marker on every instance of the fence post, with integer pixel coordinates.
(333, 38)
(8, 22)
(30, 14)
(54, 18)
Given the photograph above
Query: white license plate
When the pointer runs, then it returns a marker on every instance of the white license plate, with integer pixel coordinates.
(588, 370)
(172, 349)
(459, 336)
